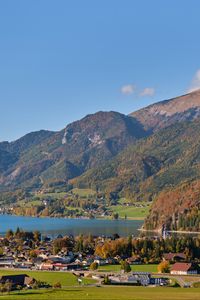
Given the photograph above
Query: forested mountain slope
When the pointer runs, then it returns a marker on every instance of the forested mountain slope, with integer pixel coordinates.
(162, 160)
(44, 157)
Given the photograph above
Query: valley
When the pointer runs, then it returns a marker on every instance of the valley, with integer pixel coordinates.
(144, 166)
(100, 150)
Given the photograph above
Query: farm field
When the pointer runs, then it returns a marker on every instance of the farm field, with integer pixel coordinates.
(136, 268)
(131, 212)
(54, 196)
(83, 192)
(65, 278)
(108, 293)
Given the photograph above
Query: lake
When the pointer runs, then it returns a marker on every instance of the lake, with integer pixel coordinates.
(55, 226)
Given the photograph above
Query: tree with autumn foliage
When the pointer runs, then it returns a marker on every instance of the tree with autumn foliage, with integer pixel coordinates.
(164, 267)
(125, 266)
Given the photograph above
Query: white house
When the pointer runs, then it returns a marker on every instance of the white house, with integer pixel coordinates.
(184, 269)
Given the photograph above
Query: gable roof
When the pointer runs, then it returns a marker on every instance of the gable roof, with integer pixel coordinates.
(171, 256)
(184, 267)
(20, 279)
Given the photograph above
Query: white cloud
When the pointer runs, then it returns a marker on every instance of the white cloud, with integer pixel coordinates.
(195, 84)
(128, 89)
(148, 91)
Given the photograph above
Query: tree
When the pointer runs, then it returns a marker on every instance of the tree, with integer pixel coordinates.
(106, 250)
(8, 286)
(125, 266)
(164, 267)
(57, 285)
(33, 254)
(106, 279)
(9, 234)
(18, 232)
(94, 266)
(79, 243)
(98, 250)
(61, 243)
(37, 236)
(116, 236)
(115, 216)
(129, 246)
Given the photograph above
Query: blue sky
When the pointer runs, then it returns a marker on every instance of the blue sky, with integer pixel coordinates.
(61, 60)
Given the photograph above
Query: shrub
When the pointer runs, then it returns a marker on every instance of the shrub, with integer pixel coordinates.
(94, 266)
(125, 266)
(57, 285)
(196, 285)
(106, 280)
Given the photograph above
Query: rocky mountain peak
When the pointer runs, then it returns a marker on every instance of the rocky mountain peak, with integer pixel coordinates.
(168, 112)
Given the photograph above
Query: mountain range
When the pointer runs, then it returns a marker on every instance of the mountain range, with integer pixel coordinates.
(42, 157)
(142, 156)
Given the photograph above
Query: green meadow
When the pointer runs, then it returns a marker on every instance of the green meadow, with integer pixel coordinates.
(135, 268)
(83, 192)
(131, 212)
(108, 293)
(65, 278)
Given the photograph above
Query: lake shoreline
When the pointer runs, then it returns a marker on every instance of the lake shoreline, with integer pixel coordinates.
(70, 226)
(77, 218)
(169, 231)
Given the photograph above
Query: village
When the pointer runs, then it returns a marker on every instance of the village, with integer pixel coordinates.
(106, 260)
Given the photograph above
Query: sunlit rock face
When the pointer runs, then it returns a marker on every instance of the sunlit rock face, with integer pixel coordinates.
(168, 112)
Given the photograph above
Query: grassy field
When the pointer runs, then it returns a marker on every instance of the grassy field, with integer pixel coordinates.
(131, 212)
(109, 293)
(52, 195)
(83, 192)
(66, 279)
(135, 268)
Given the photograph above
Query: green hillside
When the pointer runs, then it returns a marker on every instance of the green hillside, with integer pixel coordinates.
(43, 159)
(160, 161)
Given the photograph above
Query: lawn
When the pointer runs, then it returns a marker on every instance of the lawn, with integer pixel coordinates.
(65, 278)
(109, 293)
(135, 268)
(54, 196)
(83, 192)
(131, 212)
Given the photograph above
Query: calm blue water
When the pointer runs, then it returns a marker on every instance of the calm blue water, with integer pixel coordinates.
(55, 226)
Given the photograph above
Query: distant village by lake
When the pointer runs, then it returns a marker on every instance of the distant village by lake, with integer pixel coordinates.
(111, 260)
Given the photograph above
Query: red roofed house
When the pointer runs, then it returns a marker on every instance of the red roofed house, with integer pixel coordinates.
(175, 257)
(184, 269)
